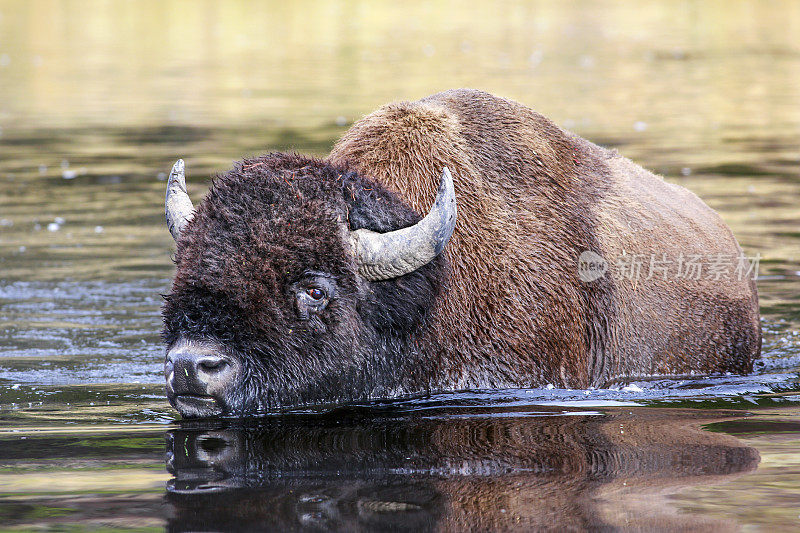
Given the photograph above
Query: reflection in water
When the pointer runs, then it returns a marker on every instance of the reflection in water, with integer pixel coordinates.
(495, 471)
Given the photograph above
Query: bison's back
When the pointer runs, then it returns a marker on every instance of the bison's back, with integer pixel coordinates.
(693, 306)
(531, 199)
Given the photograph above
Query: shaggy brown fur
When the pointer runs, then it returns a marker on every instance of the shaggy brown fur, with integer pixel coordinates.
(266, 229)
(502, 307)
(531, 198)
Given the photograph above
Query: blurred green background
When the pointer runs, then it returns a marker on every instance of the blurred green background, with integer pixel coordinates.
(110, 93)
(98, 98)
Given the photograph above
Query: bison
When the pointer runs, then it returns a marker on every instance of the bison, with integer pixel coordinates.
(316, 281)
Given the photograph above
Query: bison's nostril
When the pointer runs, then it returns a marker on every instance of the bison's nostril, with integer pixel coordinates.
(211, 364)
(199, 379)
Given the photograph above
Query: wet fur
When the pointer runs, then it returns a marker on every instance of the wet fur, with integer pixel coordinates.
(263, 226)
(502, 307)
(532, 198)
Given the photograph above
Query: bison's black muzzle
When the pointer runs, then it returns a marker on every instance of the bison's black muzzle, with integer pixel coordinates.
(199, 379)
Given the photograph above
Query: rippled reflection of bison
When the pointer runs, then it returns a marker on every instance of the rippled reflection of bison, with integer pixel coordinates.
(497, 472)
(303, 281)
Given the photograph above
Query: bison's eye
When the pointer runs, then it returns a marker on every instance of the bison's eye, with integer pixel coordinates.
(315, 293)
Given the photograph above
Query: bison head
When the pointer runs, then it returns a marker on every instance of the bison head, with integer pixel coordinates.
(298, 283)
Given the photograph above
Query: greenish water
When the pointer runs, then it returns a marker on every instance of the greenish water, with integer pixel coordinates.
(97, 100)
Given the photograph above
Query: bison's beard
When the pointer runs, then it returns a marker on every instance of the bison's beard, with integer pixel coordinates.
(336, 371)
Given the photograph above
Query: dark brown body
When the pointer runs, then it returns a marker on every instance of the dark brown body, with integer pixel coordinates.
(303, 281)
(531, 199)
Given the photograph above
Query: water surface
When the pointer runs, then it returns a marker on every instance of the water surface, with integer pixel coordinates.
(97, 100)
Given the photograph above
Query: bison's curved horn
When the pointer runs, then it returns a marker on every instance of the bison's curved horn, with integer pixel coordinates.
(178, 207)
(389, 255)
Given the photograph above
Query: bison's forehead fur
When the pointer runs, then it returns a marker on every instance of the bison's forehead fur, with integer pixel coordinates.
(261, 227)
(264, 225)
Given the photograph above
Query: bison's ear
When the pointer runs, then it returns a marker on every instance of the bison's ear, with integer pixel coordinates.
(389, 255)
(178, 207)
